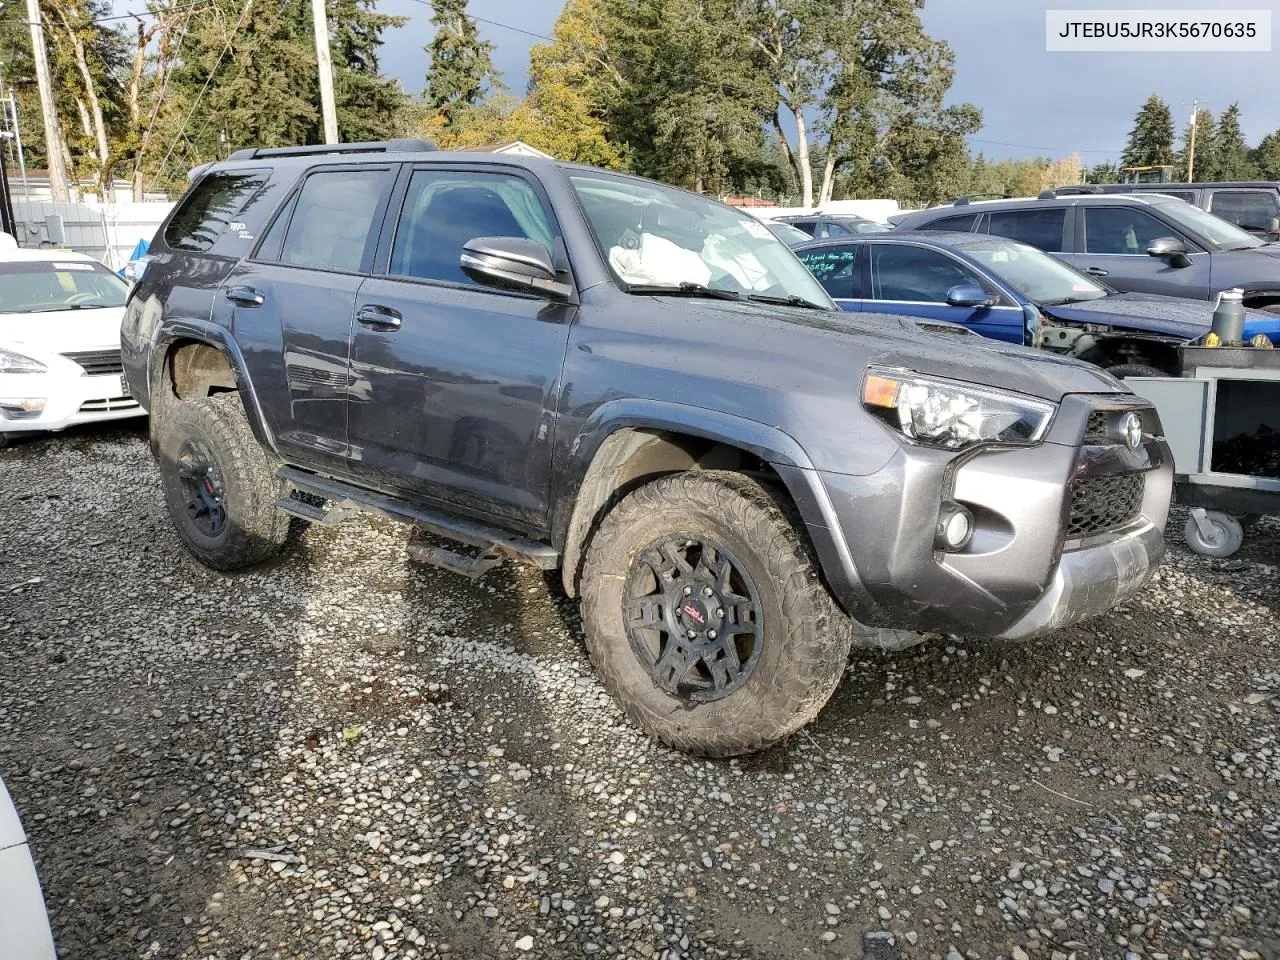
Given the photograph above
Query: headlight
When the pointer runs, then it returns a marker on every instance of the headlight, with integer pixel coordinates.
(11, 362)
(943, 413)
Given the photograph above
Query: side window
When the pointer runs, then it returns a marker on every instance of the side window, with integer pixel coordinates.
(835, 229)
(903, 272)
(209, 208)
(835, 268)
(443, 209)
(1188, 195)
(332, 218)
(1249, 209)
(1121, 230)
(808, 226)
(1039, 228)
(962, 224)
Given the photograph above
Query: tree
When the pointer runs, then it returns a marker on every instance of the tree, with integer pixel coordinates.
(1206, 156)
(1151, 139)
(461, 71)
(1266, 156)
(1103, 172)
(95, 51)
(1233, 162)
(369, 105)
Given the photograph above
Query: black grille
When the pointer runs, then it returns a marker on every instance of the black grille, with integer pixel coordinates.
(1095, 430)
(98, 362)
(1104, 502)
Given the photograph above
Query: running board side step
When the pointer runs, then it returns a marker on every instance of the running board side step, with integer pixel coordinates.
(345, 499)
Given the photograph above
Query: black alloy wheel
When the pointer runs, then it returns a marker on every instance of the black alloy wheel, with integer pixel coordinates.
(202, 490)
(693, 617)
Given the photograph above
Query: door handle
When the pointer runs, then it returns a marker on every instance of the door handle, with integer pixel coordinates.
(379, 317)
(245, 296)
(1096, 271)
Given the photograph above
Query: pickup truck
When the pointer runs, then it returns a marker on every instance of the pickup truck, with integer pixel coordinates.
(643, 389)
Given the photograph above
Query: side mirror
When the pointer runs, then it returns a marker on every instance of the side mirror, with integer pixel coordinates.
(1274, 227)
(968, 295)
(1171, 249)
(512, 263)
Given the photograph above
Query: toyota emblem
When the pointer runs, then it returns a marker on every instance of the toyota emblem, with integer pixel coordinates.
(1131, 430)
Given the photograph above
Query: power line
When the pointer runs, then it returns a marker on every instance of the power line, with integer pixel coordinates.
(133, 16)
(1032, 146)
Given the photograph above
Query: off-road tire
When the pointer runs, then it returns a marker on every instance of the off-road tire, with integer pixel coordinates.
(806, 637)
(255, 527)
(1122, 370)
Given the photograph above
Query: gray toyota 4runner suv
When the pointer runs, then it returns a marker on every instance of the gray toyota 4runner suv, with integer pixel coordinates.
(643, 389)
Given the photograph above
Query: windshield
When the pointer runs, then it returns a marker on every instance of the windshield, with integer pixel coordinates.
(44, 286)
(1034, 274)
(656, 236)
(1219, 234)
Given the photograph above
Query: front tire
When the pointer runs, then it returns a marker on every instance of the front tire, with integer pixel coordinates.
(219, 486)
(706, 617)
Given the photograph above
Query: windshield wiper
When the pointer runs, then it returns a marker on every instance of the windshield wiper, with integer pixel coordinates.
(72, 306)
(791, 300)
(686, 288)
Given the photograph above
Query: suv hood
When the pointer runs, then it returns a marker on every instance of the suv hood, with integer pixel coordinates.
(834, 347)
(1150, 313)
(63, 331)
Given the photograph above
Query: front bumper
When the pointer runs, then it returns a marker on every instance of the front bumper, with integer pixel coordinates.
(1020, 575)
(69, 399)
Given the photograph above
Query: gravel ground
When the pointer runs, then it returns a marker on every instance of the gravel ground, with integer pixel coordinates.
(345, 754)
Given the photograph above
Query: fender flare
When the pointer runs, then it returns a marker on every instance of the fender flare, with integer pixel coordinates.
(575, 515)
(175, 329)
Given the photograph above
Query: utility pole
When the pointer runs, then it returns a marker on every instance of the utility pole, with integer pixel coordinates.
(325, 63)
(52, 138)
(1191, 147)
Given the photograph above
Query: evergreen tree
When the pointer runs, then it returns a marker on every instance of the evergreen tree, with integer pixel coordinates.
(1104, 172)
(461, 71)
(1151, 139)
(1233, 153)
(369, 106)
(1266, 157)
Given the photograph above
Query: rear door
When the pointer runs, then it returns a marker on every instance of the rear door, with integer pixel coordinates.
(292, 301)
(453, 383)
(1112, 246)
(913, 281)
(1253, 210)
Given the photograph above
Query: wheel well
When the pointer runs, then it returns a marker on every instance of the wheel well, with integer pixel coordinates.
(1113, 351)
(630, 458)
(195, 370)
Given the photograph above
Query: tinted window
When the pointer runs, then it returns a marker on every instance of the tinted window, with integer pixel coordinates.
(209, 208)
(807, 226)
(1121, 230)
(1040, 228)
(1187, 195)
(830, 228)
(331, 219)
(959, 224)
(902, 272)
(1251, 209)
(443, 209)
(835, 268)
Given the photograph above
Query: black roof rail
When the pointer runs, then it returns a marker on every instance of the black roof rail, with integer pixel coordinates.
(319, 149)
(970, 197)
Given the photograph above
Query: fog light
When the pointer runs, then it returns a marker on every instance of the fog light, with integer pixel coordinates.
(21, 408)
(955, 527)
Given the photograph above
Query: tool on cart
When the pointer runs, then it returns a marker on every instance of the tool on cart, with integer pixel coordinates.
(1228, 318)
(1221, 418)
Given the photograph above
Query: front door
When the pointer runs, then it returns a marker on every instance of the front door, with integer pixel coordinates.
(1113, 247)
(913, 281)
(453, 383)
(837, 268)
(293, 301)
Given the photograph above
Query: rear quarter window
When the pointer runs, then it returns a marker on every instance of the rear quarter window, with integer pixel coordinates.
(215, 210)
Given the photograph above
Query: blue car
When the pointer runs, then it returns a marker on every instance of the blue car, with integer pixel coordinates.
(1011, 291)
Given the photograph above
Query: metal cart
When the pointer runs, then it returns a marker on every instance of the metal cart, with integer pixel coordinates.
(1222, 421)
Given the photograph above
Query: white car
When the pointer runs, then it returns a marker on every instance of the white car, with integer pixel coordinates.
(24, 923)
(60, 364)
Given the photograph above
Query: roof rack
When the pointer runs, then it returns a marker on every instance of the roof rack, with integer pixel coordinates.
(1073, 189)
(971, 197)
(370, 146)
